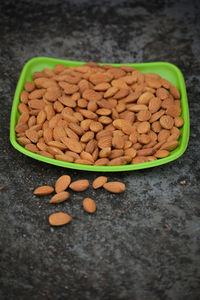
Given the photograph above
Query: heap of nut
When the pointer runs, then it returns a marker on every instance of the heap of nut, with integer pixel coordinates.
(61, 185)
(99, 115)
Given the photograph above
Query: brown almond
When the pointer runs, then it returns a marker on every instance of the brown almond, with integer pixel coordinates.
(59, 219)
(65, 157)
(43, 190)
(100, 77)
(99, 182)
(145, 98)
(79, 185)
(23, 140)
(88, 114)
(83, 161)
(111, 92)
(154, 105)
(139, 160)
(89, 205)
(137, 107)
(57, 144)
(122, 160)
(91, 95)
(169, 146)
(86, 156)
(31, 147)
(174, 91)
(167, 122)
(118, 142)
(89, 135)
(143, 127)
(24, 97)
(114, 187)
(62, 183)
(105, 142)
(161, 153)
(72, 144)
(101, 162)
(76, 128)
(145, 152)
(59, 197)
(178, 122)
(32, 135)
(96, 126)
(143, 115)
(102, 86)
(21, 127)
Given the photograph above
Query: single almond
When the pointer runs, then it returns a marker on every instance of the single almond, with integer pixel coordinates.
(99, 182)
(65, 157)
(59, 219)
(161, 153)
(114, 187)
(59, 197)
(101, 162)
(62, 183)
(43, 190)
(79, 185)
(89, 205)
(167, 122)
(72, 144)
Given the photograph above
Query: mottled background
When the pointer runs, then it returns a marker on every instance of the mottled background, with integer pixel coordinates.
(144, 244)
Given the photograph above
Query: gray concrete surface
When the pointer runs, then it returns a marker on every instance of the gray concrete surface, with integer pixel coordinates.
(144, 244)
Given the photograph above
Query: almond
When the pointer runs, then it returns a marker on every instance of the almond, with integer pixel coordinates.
(59, 197)
(110, 92)
(161, 153)
(102, 86)
(64, 157)
(122, 160)
(118, 142)
(79, 185)
(62, 183)
(43, 190)
(167, 122)
(114, 187)
(101, 162)
(83, 162)
(89, 205)
(59, 219)
(91, 95)
(99, 182)
(72, 144)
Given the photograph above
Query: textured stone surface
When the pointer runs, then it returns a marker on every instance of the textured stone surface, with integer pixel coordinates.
(144, 244)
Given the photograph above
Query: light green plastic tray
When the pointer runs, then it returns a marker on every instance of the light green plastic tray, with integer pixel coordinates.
(164, 69)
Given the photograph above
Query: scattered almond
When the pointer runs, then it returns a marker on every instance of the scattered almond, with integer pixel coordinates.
(62, 183)
(43, 190)
(99, 182)
(59, 197)
(79, 185)
(59, 219)
(89, 205)
(114, 187)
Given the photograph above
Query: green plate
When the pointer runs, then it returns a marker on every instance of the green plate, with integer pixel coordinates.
(164, 69)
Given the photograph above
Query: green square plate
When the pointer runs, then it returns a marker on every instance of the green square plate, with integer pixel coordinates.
(164, 69)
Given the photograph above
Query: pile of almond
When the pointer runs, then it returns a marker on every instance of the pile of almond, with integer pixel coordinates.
(99, 115)
(61, 185)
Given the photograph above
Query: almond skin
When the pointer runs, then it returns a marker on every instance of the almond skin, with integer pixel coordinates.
(43, 190)
(62, 183)
(99, 182)
(59, 219)
(89, 205)
(114, 187)
(79, 185)
(60, 197)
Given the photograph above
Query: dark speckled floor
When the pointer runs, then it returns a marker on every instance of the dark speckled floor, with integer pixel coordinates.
(124, 251)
